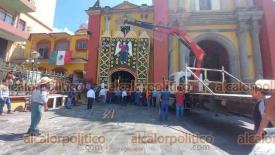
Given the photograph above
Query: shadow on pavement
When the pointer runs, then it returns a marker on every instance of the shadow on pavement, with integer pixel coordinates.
(224, 129)
(12, 137)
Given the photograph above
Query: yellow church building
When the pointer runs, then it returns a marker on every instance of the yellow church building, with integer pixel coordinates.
(227, 30)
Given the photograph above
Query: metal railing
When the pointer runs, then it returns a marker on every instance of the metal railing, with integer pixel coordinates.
(21, 80)
(205, 82)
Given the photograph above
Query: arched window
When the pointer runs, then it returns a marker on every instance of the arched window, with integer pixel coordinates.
(62, 45)
(43, 48)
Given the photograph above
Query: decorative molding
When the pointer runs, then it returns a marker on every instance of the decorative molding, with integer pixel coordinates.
(212, 30)
(215, 17)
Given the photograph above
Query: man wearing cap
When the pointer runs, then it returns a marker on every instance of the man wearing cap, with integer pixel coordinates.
(39, 99)
(260, 96)
(268, 115)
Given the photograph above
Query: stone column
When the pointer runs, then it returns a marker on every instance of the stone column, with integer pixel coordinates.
(107, 23)
(255, 30)
(170, 56)
(242, 32)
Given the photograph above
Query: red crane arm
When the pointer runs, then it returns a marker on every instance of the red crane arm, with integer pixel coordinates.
(182, 36)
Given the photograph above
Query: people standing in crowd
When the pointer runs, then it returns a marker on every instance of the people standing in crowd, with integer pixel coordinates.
(264, 114)
(137, 97)
(78, 92)
(155, 95)
(180, 102)
(133, 97)
(149, 97)
(103, 94)
(74, 95)
(39, 100)
(109, 96)
(5, 96)
(124, 96)
(88, 85)
(143, 97)
(91, 98)
(118, 96)
(165, 97)
(259, 95)
(71, 96)
(10, 79)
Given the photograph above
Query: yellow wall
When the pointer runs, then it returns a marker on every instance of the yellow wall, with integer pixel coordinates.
(118, 16)
(16, 105)
(175, 54)
(251, 70)
(70, 67)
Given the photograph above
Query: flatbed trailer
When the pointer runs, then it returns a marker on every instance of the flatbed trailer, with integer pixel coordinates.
(203, 93)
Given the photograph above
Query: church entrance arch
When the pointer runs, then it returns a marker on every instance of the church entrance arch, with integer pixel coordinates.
(122, 78)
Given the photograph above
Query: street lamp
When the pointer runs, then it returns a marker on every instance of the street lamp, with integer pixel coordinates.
(35, 54)
(33, 61)
(34, 57)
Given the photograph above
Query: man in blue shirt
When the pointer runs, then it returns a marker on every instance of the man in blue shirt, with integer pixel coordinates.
(165, 97)
(154, 97)
(70, 98)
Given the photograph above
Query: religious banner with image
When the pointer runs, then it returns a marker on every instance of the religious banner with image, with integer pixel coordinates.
(124, 52)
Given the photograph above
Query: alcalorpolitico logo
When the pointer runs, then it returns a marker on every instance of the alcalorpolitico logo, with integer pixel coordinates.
(77, 138)
(154, 138)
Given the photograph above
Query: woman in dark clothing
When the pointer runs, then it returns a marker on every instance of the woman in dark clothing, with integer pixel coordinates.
(137, 97)
(143, 97)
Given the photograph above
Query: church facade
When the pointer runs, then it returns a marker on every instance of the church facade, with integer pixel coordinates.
(119, 53)
(228, 31)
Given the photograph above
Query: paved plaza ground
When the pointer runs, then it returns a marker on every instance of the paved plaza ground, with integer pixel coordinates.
(119, 127)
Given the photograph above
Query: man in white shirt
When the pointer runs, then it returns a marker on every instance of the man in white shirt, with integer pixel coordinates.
(124, 96)
(103, 94)
(5, 96)
(91, 98)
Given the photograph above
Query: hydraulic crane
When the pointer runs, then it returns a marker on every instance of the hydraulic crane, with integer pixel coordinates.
(180, 34)
(199, 54)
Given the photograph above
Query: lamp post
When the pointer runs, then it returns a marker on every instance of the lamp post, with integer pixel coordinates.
(33, 61)
(35, 55)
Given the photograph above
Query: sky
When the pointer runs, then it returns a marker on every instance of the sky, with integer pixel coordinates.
(70, 14)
